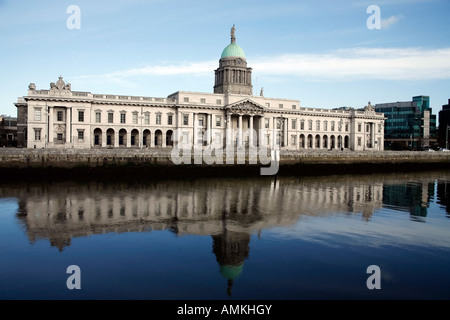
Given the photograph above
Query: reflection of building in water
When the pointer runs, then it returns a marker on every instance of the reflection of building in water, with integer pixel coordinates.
(413, 197)
(229, 210)
(443, 194)
(62, 211)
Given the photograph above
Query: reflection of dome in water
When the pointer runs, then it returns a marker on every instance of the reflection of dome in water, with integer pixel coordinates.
(231, 249)
(231, 272)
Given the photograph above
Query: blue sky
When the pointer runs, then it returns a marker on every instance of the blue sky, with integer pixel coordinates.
(319, 52)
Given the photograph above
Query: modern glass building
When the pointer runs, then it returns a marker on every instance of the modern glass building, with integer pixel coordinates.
(409, 124)
(444, 125)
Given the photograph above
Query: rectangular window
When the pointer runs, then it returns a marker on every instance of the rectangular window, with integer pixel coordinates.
(122, 118)
(332, 125)
(170, 119)
(37, 114)
(147, 118)
(268, 105)
(59, 116)
(186, 120)
(200, 121)
(359, 127)
(37, 134)
(110, 117)
(325, 125)
(359, 142)
(80, 116)
(80, 135)
(309, 124)
(98, 117)
(186, 99)
(158, 119)
(59, 137)
(294, 124)
(302, 125)
(202, 100)
(267, 123)
(218, 101)
(317, 125)
(280, 105)
(294, 106)
(135, 118)
(218, 121)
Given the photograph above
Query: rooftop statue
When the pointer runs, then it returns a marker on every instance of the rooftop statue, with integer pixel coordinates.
(369, 107)
(233, 36)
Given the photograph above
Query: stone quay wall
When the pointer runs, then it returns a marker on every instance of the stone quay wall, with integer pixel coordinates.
(69, 158)
(149, 165)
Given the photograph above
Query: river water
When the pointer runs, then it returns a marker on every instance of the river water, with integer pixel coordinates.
(286, 238)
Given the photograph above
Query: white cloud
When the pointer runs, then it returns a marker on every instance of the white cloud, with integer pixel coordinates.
(362, 63)
(340, 65)
(192, 68)
(387, 23)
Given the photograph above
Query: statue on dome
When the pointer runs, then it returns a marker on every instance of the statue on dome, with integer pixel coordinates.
(233, 37)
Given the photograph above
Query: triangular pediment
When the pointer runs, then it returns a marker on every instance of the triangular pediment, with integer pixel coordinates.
(246, 106)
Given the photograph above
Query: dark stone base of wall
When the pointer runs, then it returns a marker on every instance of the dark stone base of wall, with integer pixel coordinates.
(148, 172)
(154, 164)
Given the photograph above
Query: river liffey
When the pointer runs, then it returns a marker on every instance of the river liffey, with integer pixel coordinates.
(287, 238)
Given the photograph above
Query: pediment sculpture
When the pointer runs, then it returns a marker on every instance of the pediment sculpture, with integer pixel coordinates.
(246, 107)
(60, 87)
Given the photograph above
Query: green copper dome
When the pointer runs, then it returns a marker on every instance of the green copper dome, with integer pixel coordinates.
(233, 50)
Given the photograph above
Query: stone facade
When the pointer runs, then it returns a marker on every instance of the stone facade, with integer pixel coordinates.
(62, 118)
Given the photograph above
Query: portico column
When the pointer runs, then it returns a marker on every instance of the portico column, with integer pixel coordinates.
(364, 135)
(179, 124)
(250, 136)
(274, 132)
(261, 132)
(50, 124)
(372, 132)
(68, 124)
(209, 128)
(240, 130)
(285, 133)
(228, 130)
(195, 142)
